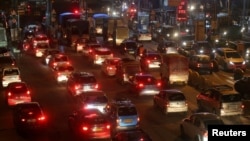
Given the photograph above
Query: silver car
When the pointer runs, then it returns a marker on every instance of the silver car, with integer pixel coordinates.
(195, 126)
(10, 74)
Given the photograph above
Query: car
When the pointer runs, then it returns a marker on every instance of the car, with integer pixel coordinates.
(10, 74)
(123, 115)
(242, 86)
(203, 47)
(201, 63)
(150, 60)
(48, 53)
(109, 66)
(5, 52)
(89, 124)
(58, 59)
(229, 59)
(62, 72)
(17, 92)
(92, 100)
(167, 47)
(171, 101)
(29, 117)
(144, 84)
(126, 70)
(132, 135)
(40, 39)
(7, 61)
(80, 44)
(40, 48)
(186, 41)
(222, 100)
(98, 55)
(195, 126)
(89, 49)
(80, 82)
(128, 47)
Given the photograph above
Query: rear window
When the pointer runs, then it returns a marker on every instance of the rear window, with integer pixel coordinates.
(232, 55)
(86, 80)
(65, 68)
(213, 122)
(127, 111)
(19, 88)
(204, 59)
(42, 46)
(29, 110)
(153, 57)
(103, 52)
(96, 99)
(61, 58)
(6, 60)
(41, 38)
(146, 79)
(176, 97)
(132, 69)
(231, 98)
(11, 72)
(114, 62)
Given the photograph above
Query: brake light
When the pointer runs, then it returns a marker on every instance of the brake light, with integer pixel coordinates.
(68, 63)
(110, 68)
(41, 118)
(148, 61)
(140, 85)
(47, 41)
(242, 106)
(167, 104)
(28, 92)
(211, 64)
(58, 74)
(85, 128)
(54, 64)
(23, 119)
(125, 48)
(77, 87)
(112, 55)
(96, 86)
(138, 119)
(9, 94)
(108, 126)
(158, 84)
(198, 65)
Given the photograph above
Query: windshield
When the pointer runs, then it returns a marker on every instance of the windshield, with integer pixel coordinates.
(176, 97)
(11, 72)
(232, 55)
(131, 45)
(86, 80)
(20, 88)
(61, 58)
(213, 122)
(231, 98)
(204, 59)
(132, 69)
(96, 99)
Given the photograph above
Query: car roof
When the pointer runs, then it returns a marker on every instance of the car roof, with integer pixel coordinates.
(16, 83)
(226, 49)
(202, 55)
(27, 104)
(82, 74)
(206, 116)
(171, 91)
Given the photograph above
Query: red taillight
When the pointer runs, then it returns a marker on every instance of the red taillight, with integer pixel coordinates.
(108, 126)
(85, 128)
(77, 87)
(41, 118)
(58, 74)
(54, 64)
(198, 65)
(47, 41)
(96, 86)
(110, 68)
(205, 134)
(212, 65)
(23, 119)
(148, 61)
(242, 106)
(9, 94)
(138, 119)
(140, 85)
(158, 84)
(28, 92)
(112, 55)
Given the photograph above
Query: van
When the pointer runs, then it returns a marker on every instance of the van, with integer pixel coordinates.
(174, 69)
(126, 70)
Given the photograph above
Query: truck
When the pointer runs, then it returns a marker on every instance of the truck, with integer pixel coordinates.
(174, 69)
(3, 37)
(122, 33)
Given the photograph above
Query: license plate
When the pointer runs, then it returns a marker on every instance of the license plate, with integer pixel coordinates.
(31, 120)
(127, 120)
(97, 129)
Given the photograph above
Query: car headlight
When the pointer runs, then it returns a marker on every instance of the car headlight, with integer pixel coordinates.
(231, 63)
(244, 62)
(213, 51)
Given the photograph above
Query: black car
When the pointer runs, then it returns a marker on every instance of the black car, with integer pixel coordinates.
(151, 60)
(129, 47)
(132, 135)
(166, 46)
(242, 86)
(29, 116)
(89, 124)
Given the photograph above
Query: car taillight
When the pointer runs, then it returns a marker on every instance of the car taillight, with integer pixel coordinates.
(112, 55)
(205, 134)
(58, 74)
(110, 68)
(167, 104)
(41, 118)
(212, 65)
(96, 86)
(140, 85)
(85, 128)
(108, 126)
(77, 86)
(23, 119)
(198, 65)
(242, 106)
(9, 94)
(68, 63)
(138, 119)
(158, 84)
(28, 92)
(125, 48)
(118, 121)
(148, 61)
(47, 41)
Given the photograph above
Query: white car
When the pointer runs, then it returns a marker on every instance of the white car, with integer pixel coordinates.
(195, 126)
(10, 74)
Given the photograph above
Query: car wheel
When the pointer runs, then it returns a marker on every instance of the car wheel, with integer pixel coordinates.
(183, 135)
